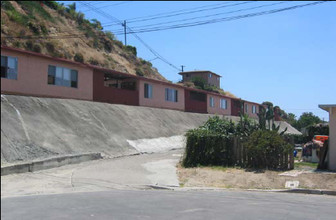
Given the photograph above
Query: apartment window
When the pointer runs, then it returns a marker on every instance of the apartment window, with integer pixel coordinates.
(254, 109)
(246, 108)
(210, 75)
(62, 76)
(9, 67)
(148, 91)
(171, 95)
(212, 102)
(223, 103)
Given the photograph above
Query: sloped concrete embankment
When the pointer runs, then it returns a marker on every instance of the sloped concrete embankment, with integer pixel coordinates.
(36, 128)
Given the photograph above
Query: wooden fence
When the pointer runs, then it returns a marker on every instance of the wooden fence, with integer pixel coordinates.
(240, 157)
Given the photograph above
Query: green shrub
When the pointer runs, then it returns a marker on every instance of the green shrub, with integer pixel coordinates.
(110, 35)
(29, 45)
(50, 47)
(220, 125)
(17, 44)
(119, 43)
(6, 5)
(43, 28)
(33, 7)
(51, 4)
(93, 61)
(107, 46)
(37, 48)
(79, 57)
(139, 72)
(33, 27)
(130, 49)
(265, 149)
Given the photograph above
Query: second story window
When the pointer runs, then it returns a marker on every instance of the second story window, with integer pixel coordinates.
(210, 75)
(223, 103)
(171, 95)
(62, 76)
(9, 67)
(148, 91)
(212, 102)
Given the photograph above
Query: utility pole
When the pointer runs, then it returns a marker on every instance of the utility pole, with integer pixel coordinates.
(124, 24)
(182, 68)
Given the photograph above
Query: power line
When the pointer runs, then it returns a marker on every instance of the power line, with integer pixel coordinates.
(183, 13)
(135, 35)
(160, 28)
(188, 9)
(106, 6)
(205, 16)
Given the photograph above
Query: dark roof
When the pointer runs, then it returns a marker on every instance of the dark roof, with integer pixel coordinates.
(198, 71)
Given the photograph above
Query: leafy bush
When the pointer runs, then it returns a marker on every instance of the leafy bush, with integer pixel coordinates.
(266, 148)
(50, 47)
(29, 45)
(131, 49)
(51, 4)
(33, 7)
(96, 24)
(37, 48)
(220, 125)
(34, 27)
(139, 72)
(79, 57)
(119, 43)
(93, 61)
(199, 82)
(110, 35)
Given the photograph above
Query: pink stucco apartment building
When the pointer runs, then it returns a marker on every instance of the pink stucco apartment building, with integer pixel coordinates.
(34, 74)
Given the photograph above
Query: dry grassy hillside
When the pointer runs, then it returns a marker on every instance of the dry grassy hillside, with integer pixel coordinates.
(53, 29)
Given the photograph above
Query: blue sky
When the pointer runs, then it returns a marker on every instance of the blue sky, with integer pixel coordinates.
(288, 58)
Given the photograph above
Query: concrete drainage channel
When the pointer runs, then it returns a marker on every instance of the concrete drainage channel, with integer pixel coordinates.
(49, 163)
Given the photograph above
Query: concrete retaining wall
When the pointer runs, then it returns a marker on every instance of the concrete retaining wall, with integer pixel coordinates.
(48, 163)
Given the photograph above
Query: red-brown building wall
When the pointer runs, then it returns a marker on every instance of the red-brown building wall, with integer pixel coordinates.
(194, 105)
(112, 95)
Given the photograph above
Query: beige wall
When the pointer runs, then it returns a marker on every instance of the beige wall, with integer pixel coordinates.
(158, 99)
(217, 109)
(32, 78)
(332, 139)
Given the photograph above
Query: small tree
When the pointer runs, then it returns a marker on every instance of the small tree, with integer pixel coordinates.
(199, 82)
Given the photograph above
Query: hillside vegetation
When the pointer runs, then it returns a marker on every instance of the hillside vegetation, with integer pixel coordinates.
(50, 28)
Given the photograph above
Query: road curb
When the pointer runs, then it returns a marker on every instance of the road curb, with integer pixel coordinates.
(311, 191)
(48, 163)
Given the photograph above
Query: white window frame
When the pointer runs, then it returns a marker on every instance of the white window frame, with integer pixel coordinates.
(210, 75)
(171, 95)
(62, 78)
(212, 102)
(223, 104)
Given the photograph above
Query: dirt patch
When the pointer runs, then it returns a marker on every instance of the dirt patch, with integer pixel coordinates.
(244, 179)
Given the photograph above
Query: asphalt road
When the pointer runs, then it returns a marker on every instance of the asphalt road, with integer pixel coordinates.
(163, 204)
